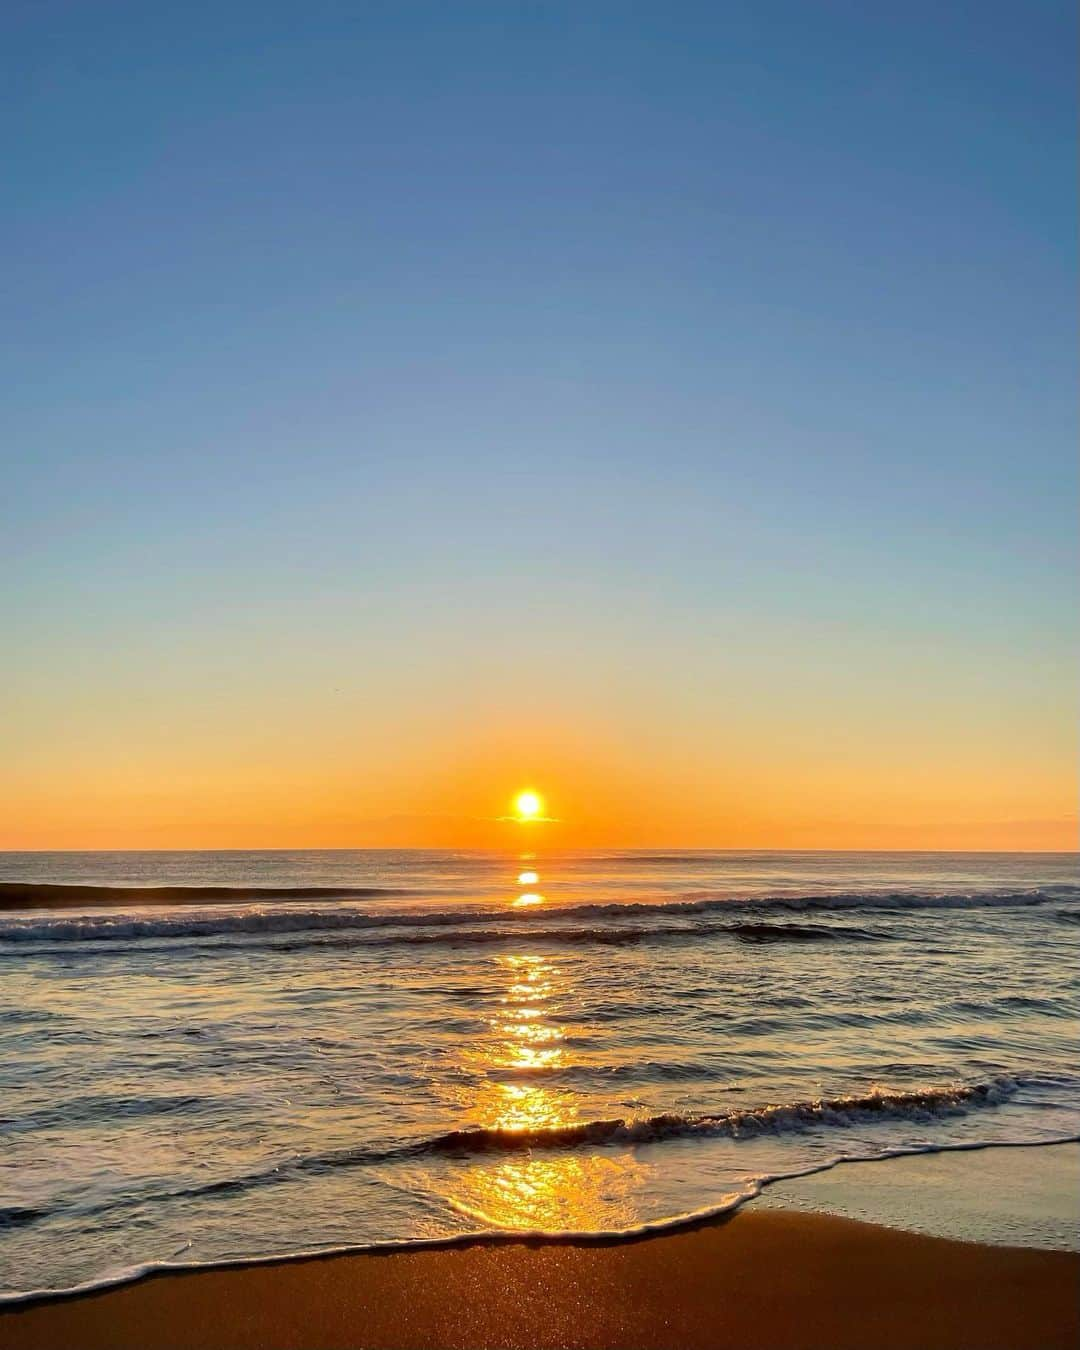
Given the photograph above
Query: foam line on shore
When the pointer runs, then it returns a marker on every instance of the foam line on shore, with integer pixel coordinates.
(508, 1236)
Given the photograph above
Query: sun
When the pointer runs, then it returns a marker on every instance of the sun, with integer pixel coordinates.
(528, 805)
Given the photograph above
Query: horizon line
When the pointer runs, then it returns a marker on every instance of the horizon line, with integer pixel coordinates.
(474, 848)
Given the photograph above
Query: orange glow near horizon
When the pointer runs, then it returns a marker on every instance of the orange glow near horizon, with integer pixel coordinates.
(443, 785)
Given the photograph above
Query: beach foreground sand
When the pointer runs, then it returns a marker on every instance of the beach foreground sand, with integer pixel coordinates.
(762, 1279)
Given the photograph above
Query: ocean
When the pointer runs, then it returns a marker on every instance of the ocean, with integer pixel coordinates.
(216, 1056)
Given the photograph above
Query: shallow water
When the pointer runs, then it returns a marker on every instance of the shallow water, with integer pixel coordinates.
(1013, 1197)
(453, 1043)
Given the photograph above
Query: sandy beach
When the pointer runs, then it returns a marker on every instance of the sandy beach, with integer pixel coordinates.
(763, 1279)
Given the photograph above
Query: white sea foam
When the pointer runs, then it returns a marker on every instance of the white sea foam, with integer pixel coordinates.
(492, 1234)
(180, 923)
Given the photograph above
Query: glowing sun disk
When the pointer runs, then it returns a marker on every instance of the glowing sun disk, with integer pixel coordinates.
(528, 805)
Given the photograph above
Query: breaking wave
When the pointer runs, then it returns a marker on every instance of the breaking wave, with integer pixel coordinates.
(310, 931)
(614, 923)
(921, 1105)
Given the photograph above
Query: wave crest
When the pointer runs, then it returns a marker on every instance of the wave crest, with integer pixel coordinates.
(618, 922)
(921, 1104)
(918, 1104)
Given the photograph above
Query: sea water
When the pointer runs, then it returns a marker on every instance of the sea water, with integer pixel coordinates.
(217, 1056)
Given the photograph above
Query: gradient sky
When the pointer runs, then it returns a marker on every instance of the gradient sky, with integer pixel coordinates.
(664, 405)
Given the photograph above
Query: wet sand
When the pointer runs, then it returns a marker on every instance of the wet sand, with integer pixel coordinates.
(767, 1278)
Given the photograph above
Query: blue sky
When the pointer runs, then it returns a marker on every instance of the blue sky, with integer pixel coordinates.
(513, 340)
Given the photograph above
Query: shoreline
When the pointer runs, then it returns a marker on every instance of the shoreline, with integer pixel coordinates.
(783, 1192)
(824, 1190)
(767, 1278)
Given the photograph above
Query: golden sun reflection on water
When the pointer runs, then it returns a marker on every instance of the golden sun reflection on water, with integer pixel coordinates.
(510, 1068)
(521, 1037)
(528, 878)
(563, 1192)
